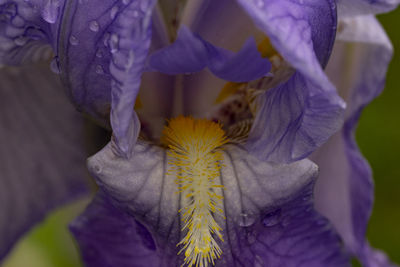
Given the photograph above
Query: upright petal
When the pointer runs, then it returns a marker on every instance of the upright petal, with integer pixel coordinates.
(42, 150)
(303, 32)
(102, 49)
(270, 219)
(344, 192)
(191, 53)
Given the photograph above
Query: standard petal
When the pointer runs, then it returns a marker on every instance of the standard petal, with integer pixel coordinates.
(109, 237)
(187, 54)
(270, 219)
(102, 49)
(303, 33)
(293, 120)
(42, 150)
(344, 191)
(190, 53)
(350, 8)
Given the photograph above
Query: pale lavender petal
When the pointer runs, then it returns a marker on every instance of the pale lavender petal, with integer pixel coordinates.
(190, 53)
(344, 192)
(349, 8)
(108, 237)
(269, 207)
(43, 150)
(303, 32)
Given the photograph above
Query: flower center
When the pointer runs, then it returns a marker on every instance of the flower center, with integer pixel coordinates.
(195, 149)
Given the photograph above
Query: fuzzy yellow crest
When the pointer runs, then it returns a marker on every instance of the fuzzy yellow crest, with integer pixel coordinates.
(195, 148)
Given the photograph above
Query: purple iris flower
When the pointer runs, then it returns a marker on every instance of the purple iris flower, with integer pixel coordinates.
(262, 68)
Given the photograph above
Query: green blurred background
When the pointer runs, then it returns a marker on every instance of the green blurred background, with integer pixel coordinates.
(50, 245)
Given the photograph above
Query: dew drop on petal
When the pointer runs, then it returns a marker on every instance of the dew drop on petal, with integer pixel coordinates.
(246, 219)
(272, 218)
(51, 10)
(55, 66)
(113, 43)
(21, 40)
(99, 69)
(94, 26)
(113, 12)
(73, 40)
(99, 54)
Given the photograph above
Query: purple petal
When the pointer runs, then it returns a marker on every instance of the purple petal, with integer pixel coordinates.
(190, 53)
(246, 65)
(109, 237)
(344, 192)
(187, 54)
(42, 151)
(293, 120)
(103, 47)
(303, 32)
(24, 36)
(348, 8)
(270, 219)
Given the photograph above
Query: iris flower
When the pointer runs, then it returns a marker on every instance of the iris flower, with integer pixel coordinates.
(221, 114)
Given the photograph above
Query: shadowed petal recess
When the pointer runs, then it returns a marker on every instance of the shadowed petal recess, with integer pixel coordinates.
(348, 8)
(270, 220)
(344, 190)
(42, 150)
(190, 53)
(303, 32)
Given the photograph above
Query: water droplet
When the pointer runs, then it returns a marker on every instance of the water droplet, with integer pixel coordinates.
(97, 168)
(135, 13)
(73, 40)
(114, 12)
(21, 40)
(99, 69)
(113, 43)
(106, 39)
(246, 219)
(94, 26)
(55, 65)
(125, 2)
(272, 218)
(99, 54)
(50, 11)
